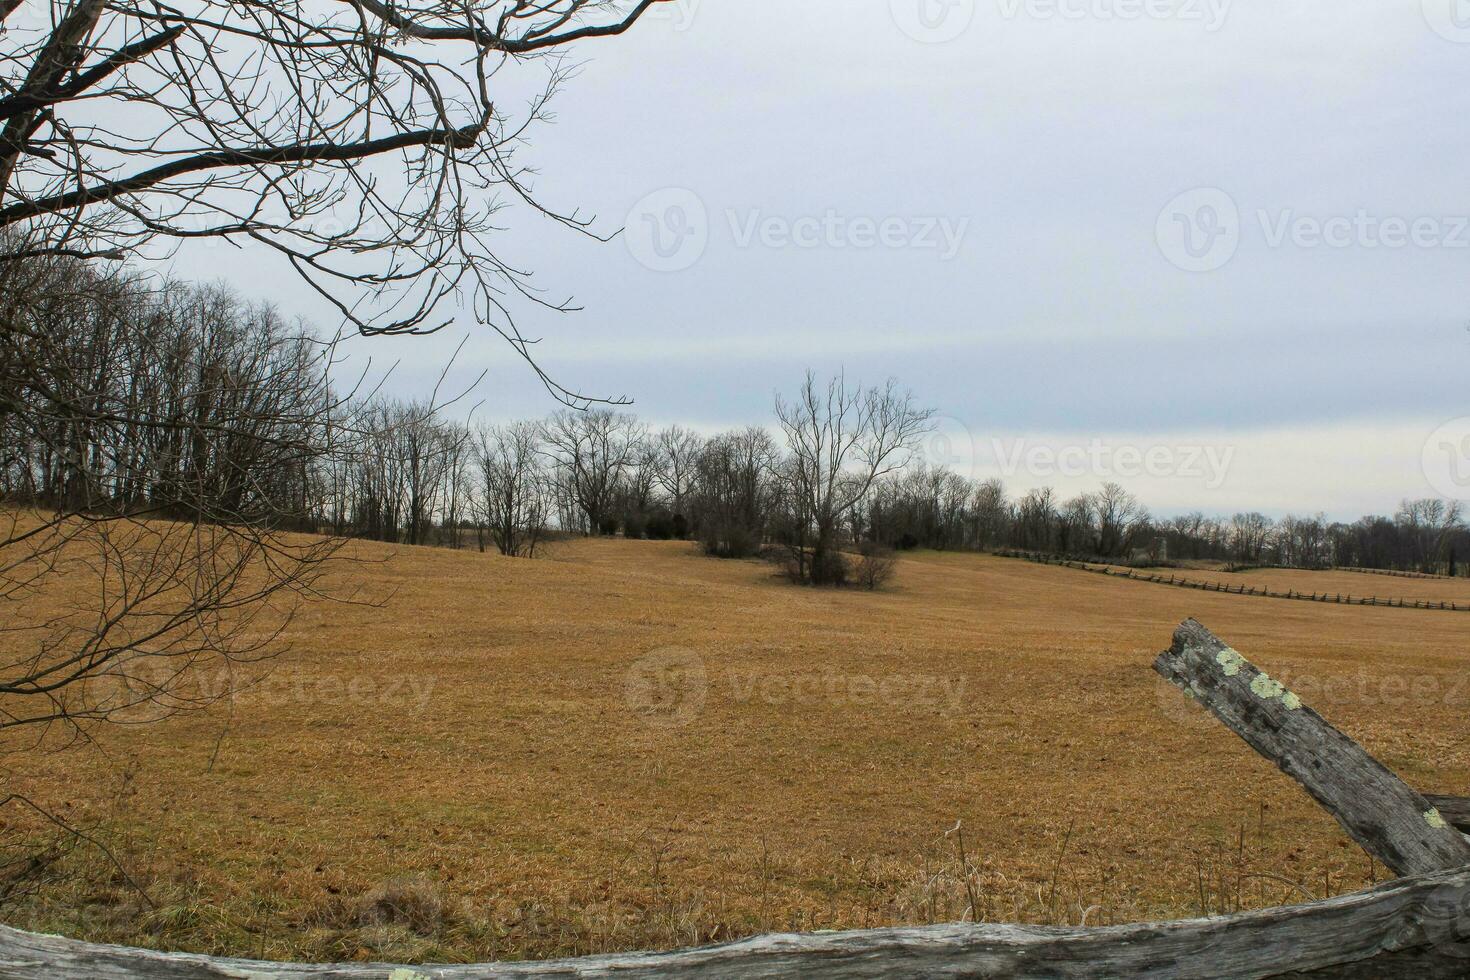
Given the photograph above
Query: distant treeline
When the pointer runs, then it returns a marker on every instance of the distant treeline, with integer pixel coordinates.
(187, 401)
(182, 401)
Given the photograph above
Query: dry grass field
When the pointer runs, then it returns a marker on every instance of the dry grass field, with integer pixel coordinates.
(627, 745)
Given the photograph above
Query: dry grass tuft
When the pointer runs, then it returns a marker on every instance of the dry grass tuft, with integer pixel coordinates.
(413, 903)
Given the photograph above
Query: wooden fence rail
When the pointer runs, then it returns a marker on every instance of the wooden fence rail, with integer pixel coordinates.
(1179, 581)
(1417, 926)
(1395, 573)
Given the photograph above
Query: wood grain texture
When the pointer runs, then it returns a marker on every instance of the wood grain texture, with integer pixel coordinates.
(1377, 809)
(1416, 927)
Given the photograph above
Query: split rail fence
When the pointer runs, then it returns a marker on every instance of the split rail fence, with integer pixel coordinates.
(1181, 582)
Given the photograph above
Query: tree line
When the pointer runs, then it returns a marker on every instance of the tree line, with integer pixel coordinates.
(836, 475)
(186, 401)
(737, 492)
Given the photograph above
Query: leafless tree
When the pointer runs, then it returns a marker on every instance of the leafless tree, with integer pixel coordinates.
(458, 451)
(642, 476)
(990, 513)
(1248, 536)
(512, 501)
(157, 445)
(678, 458)
(591, 451)
(1302, 541)
(732, 493)
(841, 438)
(367, 143)
(1121, 519)
(1077, 526)
(1036, 519)
(429, 450)
(1428, 525)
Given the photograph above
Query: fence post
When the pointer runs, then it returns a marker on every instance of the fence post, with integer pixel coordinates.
(1377, 809)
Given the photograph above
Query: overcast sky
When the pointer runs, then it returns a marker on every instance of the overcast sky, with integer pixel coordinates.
(1236, 234)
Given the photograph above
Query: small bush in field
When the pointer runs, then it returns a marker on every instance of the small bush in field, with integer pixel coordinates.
(731, 542)
(874, 566)
(829, 568)
(660, 526)
(805, 567)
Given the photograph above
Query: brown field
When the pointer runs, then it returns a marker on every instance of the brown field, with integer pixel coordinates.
(484, 767)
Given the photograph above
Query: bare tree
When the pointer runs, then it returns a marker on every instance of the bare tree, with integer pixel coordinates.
(1248, 536)
(512, 500)
(1428, 526)
(841, 439)
(732, 494)
(366, 143)
(991, 513)
(457, 481)
(1120, 520)
(641, 478)
(1036, 519)
(1077, 525)
(159, 442)
(591, 451)
(162, 440)
(678, 460)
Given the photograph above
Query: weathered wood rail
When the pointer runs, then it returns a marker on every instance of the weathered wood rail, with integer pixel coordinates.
(1385, 926)
(1417, 926)
(1377, 809)
(1181, 582)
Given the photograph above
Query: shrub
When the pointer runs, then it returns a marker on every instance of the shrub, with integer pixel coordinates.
(874, 566)
(680, 526)
(829, 567)
(660, 525)
(788, 560)
(634, 526)
(607, 526)
(870, 569)
(731, 542)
